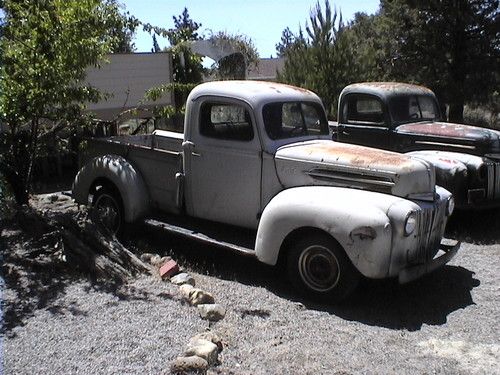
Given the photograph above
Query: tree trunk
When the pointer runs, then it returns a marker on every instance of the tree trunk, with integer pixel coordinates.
(15, 183)
(456, 112)
(85, 246)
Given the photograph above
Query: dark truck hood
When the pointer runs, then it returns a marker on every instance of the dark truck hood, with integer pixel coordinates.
(454, 137)
(323, 162)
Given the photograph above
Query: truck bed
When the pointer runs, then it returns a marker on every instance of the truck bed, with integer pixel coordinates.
(157, 157)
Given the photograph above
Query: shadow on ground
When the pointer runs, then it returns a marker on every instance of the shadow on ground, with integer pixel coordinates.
(428, 300)
(385, 303)
(34, 277)
(478, 227)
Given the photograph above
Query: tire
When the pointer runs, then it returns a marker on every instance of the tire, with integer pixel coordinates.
(107, 209)
(320, 270)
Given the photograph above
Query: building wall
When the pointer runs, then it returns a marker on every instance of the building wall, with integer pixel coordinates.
(127, 77)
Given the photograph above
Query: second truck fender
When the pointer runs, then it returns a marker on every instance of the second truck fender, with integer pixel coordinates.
(362, 228)
(120, 173)
(451, 170)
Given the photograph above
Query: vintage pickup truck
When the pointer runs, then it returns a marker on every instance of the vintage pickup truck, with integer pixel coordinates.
(406, 118)
(256, 163)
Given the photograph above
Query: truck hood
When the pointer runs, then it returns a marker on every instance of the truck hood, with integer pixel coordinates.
(479, 141)
(331, 163)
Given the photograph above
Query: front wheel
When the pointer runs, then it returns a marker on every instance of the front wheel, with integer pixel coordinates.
(107, 209)
(320, 270)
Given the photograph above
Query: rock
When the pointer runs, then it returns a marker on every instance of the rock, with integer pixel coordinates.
(155, 260)
(198, 297)
(183, 365)
(146, 257)
(169, 269)
(204, 349)
(213, 312)
(165, 259)
(185, 290)
(182, 278)
(209, 336)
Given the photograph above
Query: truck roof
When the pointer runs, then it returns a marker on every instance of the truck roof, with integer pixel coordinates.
(253, 92)
(386, 89)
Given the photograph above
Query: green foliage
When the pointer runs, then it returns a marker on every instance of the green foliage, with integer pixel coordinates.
(236, 65)
(45, 48)
(123, 27)
(157, 92)
(187, 67)
(321, 60)
(452, 46)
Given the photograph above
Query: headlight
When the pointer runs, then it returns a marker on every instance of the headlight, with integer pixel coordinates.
(450, 206)
(410, 223)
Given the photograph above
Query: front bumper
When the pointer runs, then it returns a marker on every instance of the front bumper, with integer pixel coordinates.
(414, 272)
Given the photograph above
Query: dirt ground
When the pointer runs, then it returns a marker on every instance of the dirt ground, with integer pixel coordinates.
(56, 320)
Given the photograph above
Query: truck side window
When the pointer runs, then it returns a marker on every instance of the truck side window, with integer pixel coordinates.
(406, 108)
(225, 121)
(294, 119)
(363, 110)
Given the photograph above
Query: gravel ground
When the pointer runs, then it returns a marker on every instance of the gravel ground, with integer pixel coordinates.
(56, 321)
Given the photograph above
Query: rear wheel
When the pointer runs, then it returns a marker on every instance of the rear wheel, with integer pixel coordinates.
(107, 209)
(320, 270)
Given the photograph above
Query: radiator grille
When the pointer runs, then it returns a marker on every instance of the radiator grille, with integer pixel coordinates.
(493, 191)
(429, 232)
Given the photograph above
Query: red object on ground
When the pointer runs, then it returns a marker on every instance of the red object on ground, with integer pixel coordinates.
(169, 269)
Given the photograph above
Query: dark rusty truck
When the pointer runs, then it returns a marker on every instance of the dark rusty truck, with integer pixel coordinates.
(406, 118)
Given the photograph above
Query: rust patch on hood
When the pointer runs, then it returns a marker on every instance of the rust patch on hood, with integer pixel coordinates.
(450, 130)
(355, 155)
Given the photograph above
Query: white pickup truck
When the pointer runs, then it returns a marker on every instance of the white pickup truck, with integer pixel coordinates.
(256, 158)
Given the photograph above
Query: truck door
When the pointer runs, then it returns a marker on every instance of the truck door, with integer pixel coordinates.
(224, 163)
(363, 121)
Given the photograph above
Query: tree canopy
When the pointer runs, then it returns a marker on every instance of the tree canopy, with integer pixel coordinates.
(320, 58)
(451, 46)
(45, 48)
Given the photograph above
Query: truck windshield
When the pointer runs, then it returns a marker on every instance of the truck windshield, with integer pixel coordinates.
(294, 119)
(413, 108)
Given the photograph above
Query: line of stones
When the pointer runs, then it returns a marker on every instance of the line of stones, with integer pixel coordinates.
(203, 349)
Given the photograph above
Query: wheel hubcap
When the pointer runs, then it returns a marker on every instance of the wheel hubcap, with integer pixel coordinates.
(108, 213)
(319, 268)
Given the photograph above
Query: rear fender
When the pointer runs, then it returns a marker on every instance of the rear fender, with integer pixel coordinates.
(118, 171)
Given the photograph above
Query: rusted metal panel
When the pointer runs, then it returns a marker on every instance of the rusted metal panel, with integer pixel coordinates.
(385, 89)
(450, 130)
(339, 164)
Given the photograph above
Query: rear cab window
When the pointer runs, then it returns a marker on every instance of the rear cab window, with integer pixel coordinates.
(362, 110)
(226, 121)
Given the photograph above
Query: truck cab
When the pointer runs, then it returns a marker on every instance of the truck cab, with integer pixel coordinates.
(406, 118)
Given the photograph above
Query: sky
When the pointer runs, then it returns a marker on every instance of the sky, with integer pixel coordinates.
(262, 21)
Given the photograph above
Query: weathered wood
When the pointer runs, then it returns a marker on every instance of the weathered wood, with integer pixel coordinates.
(85, 246)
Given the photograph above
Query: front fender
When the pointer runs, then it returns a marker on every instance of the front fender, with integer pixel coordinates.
(120, 173)
(456, 172)
(362, 228)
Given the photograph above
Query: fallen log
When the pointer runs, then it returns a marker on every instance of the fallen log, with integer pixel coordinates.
(85, 245)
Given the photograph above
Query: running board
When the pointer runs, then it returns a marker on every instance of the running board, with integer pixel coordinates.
(198, 236)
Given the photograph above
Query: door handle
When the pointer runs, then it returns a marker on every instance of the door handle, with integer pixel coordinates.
(195, 154)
